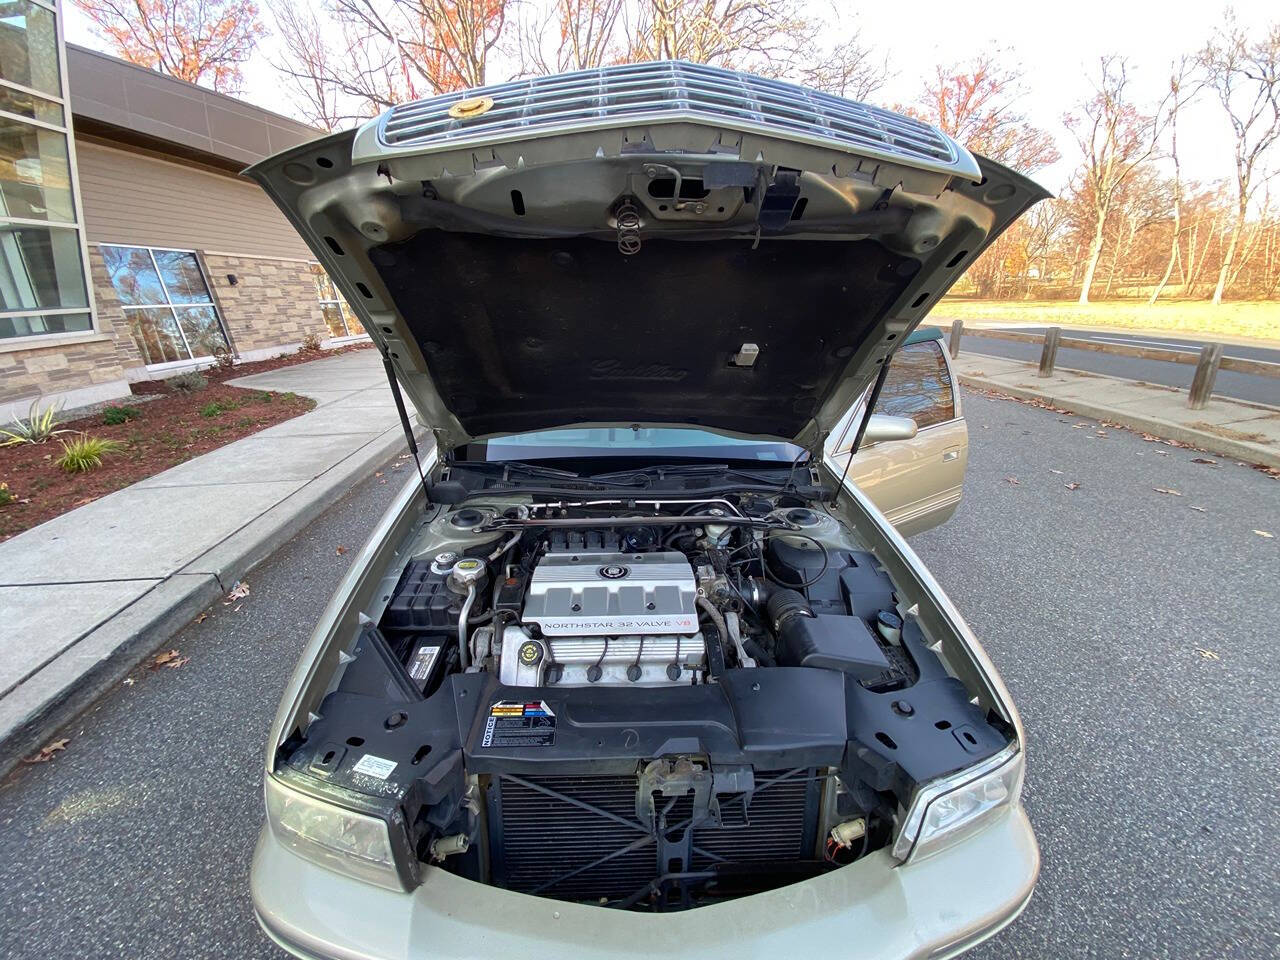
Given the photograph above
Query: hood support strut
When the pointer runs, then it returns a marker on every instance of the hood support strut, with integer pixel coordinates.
(404, 421)
(862, 426)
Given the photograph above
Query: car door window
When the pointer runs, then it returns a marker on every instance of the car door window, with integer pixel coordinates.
(918, 385)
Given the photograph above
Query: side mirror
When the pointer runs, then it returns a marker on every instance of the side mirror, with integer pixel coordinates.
(883, 427)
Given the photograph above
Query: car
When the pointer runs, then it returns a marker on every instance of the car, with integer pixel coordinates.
(633, 667)
(916, 482)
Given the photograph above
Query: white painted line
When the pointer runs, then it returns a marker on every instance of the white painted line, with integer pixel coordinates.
(1179, 347)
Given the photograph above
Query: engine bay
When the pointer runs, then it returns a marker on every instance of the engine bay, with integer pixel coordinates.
(642, 704)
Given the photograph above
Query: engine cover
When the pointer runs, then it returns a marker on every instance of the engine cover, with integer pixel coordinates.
(605, 594)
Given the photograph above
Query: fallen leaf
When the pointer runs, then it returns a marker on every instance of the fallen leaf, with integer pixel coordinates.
(237, 608)
(160, 659)
(1206, 654)
(175, 664)
(1204, 460)
(130, 681)
(378, 473)
(1073, 485)
(1167, 490)
(341, 550)
(1013, 480)
(203, 617)
(45, 754)
(1058, 472)
(239, 591)
(1264, 533)
(1197, 509)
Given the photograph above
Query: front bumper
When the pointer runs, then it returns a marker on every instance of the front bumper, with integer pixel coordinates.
(937, 907)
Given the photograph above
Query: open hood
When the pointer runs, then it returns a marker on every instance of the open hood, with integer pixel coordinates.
(656, 244)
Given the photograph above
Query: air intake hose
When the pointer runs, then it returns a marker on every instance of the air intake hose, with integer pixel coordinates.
(785, 604)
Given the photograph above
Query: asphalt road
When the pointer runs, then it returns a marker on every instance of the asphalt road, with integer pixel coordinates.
(1136, 634)
(1228, 384)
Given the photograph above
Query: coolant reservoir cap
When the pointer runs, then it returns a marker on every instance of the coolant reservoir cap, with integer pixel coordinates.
(468, 570)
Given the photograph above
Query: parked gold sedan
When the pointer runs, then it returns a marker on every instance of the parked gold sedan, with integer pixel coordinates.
(636, 669)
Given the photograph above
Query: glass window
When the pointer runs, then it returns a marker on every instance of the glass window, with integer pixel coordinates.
(338, 315)
(918, 385)
(40, 267)
(40, 324)
(181, 274)
(133, 273)
(651, 442)
(29, 105)
(35, 174)
(167, 303)
(29, 46)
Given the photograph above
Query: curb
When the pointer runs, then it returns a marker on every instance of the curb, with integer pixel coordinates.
(52, 697)
(1166, 429)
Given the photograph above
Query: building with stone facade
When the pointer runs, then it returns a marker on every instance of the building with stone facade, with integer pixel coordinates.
(130, 246)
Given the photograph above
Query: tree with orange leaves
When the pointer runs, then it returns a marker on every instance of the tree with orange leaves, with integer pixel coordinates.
(200, 41)
(975, 102)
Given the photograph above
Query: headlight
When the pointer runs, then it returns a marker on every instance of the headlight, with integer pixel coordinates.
(945, 808)
(332, 836)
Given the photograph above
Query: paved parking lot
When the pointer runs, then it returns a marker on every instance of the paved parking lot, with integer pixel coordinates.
(1136, 633)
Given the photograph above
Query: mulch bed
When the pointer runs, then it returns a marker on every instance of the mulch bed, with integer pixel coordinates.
(169, 429)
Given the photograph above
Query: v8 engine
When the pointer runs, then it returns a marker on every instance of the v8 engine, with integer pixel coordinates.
(605, 617)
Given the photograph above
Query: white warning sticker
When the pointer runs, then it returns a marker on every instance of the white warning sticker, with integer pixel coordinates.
(372, 766)
(420, 668)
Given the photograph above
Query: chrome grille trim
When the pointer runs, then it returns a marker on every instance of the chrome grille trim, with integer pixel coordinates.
(664, 92)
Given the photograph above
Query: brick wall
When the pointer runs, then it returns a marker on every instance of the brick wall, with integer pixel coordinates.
(272, 304)
(57, 369)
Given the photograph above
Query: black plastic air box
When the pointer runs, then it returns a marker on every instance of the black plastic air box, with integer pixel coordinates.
(832, 642)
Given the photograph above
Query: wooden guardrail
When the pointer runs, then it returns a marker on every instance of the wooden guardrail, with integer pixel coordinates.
(1207, 362)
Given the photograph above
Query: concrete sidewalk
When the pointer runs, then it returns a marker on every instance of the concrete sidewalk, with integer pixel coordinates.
(86, 596)
(1234, 428)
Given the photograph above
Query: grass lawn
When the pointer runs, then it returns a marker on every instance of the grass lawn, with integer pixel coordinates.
(1257, 319)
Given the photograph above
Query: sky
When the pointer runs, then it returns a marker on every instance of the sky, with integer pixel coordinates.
(1057, 47)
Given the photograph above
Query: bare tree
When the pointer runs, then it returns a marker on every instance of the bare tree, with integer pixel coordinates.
(308, 65)
(975, 102)
(570, 35)
(1183, 86)
(1245, 74)
(200, 41)
(747, 34)
(1116, 140)
(852, 69)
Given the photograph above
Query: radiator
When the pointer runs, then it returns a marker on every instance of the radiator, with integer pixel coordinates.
(545, 829)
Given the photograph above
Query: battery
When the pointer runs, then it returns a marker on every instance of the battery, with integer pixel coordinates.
(426, 666)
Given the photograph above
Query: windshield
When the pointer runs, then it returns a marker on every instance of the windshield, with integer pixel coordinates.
(641, 442)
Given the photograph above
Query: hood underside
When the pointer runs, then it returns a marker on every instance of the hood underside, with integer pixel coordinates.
(676, 264)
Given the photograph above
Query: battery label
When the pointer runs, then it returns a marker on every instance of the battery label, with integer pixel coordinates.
(514, 724)
(420, 668)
